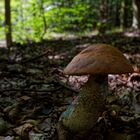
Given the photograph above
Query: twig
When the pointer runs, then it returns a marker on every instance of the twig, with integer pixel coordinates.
(34, 58)
(30, 90)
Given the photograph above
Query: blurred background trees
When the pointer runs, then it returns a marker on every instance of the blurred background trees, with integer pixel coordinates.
(36, 19)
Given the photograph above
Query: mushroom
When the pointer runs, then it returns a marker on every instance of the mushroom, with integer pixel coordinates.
(97, 61)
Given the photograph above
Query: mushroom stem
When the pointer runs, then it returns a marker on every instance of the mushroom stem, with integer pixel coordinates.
(84, 111)
(97, 83)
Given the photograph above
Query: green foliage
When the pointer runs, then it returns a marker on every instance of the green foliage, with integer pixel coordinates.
(33, 19)
(1, 20)
(29, 22)
(72, 18)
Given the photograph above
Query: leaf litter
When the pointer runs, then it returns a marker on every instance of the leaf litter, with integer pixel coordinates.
(34, 92)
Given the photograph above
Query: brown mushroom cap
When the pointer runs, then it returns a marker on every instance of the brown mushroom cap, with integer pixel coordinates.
(99, 59)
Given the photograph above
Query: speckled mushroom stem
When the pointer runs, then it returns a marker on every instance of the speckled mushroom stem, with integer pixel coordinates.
(98, 83)
(87, 107)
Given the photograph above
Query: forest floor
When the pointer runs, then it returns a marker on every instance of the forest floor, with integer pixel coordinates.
(34, 90)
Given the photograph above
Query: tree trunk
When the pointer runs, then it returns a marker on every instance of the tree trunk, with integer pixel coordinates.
(41, 7)
(136, 14)
(102, 10)
(124, 14)
(8, 24)
(117, 15)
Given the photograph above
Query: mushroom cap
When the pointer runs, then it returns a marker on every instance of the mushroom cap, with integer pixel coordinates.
(99, 59)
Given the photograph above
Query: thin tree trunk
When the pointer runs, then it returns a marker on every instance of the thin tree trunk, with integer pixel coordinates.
(117, 15)
(124, 14)
(8, 24)
(43, 18)
(136, 14)
(102, 10)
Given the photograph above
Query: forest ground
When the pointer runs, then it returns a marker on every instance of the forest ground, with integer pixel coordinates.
(34, 90)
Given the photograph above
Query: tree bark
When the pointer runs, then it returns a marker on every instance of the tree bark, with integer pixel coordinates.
(8, 24)
(136, 14)
(117, 14)
(124, 14)
(102, 11)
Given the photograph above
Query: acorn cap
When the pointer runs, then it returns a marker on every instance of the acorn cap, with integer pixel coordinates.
(99, 59)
